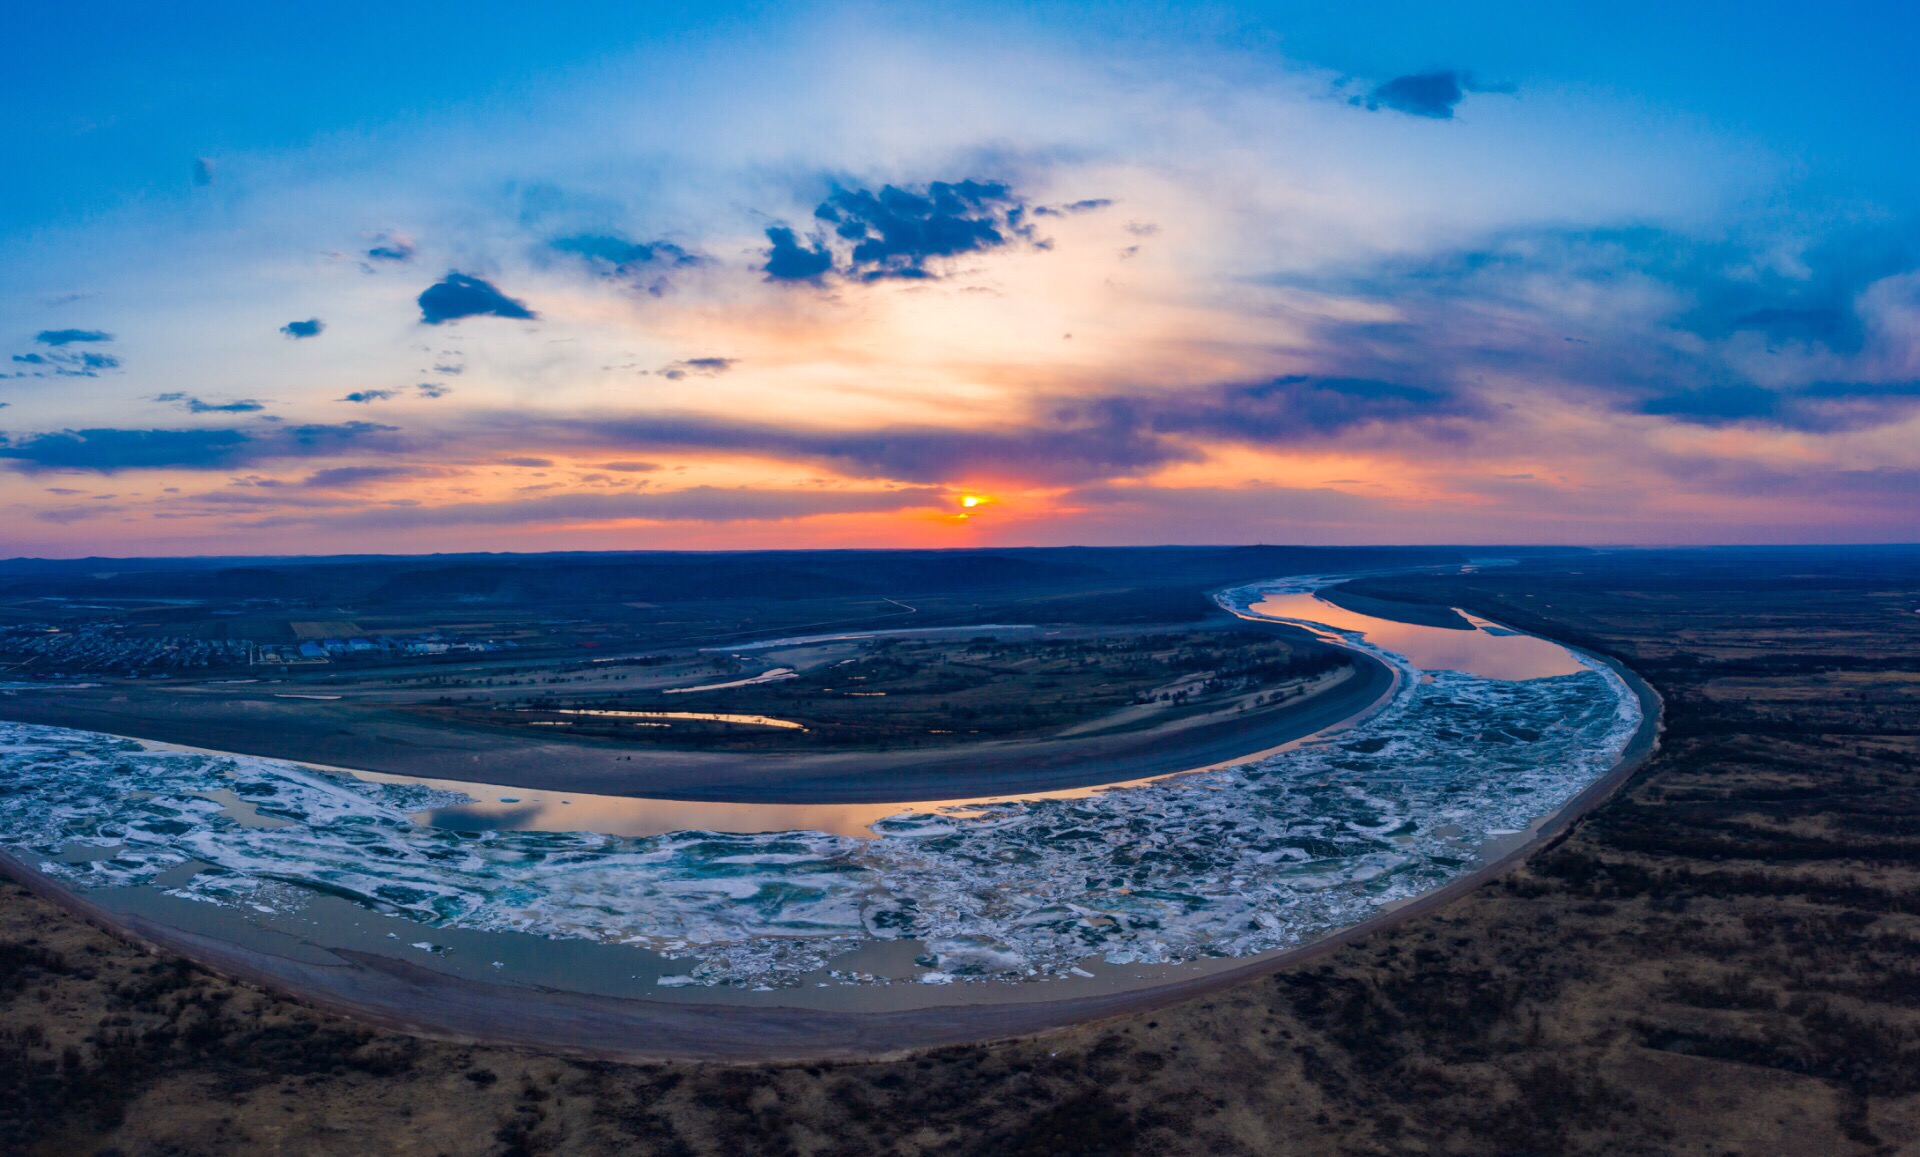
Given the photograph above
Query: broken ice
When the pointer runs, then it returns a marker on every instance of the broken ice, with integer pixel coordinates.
(1222, 863)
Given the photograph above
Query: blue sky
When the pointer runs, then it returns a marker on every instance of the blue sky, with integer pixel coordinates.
(417, 275)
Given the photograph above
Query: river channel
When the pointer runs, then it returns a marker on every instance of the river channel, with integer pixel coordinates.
(1485, 732)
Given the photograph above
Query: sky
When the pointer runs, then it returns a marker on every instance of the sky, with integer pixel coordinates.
(436, 277)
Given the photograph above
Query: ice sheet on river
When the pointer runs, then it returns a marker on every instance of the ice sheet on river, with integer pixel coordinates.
(1221, 863)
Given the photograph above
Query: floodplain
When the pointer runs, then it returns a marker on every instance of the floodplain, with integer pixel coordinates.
(1720, 955)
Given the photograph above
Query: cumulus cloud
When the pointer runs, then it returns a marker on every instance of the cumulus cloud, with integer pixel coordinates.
(193, 405)
(458, 295)
(788, 260)
(59, 337)
(904, 232)
(1433, 95)
(391, 247)
(365, 396)
(311, 327)
(699, 367)
(897, 232)
(62, 362)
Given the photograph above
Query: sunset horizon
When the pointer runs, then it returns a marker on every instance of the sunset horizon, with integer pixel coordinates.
(843, 276)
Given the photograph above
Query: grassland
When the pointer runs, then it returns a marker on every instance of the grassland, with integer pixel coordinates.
(893, 693)
(1720, 961)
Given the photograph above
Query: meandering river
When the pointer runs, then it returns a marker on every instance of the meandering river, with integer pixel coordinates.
(1484, 733)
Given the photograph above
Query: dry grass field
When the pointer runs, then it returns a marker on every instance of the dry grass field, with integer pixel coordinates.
(1724, 959)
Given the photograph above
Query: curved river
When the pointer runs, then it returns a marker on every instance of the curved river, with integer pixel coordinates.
(1486, 733)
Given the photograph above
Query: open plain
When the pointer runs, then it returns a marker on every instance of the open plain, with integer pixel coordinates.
(1717, 960)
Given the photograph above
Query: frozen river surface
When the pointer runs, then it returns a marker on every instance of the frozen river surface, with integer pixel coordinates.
(1221, 863)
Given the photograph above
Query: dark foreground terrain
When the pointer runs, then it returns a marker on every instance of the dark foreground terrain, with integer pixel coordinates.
(1725, 959)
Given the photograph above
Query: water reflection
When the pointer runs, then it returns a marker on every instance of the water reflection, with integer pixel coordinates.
(513, 809)
(1487, 650)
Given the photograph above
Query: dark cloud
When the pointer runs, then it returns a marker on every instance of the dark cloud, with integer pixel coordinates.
(308, 328)
(612, 254)
(630, 467)
(1817, 407)
(1069, 443)
(904, 232)
(194, 405)
(788, 260)
(458, 295)
(896, 232)
(322, 438)
(432, 390)
(527, 462)
(1707, 330)
(107, 451)
(615, 258)
(388, 247)
(1066, 443)
(1427, 94)
(1812, 302)
(701, 367)
(1715, 405)
(365, 396)
(204, 171)
(70, 336)
(61, 362)
(1299, 407)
